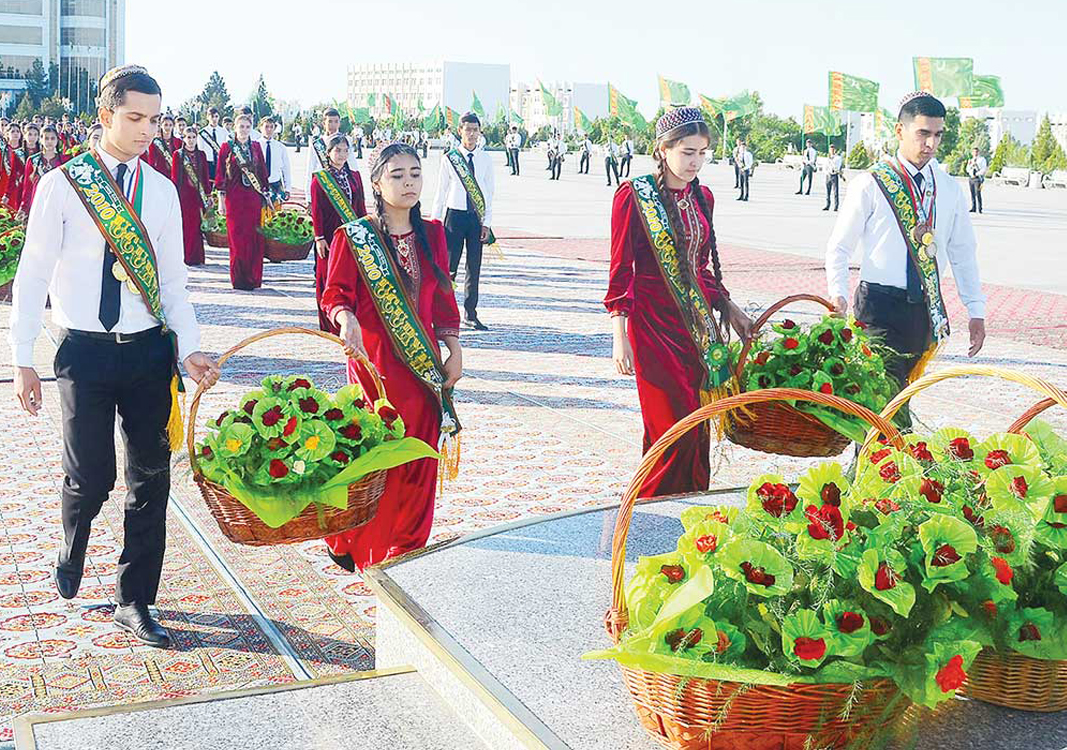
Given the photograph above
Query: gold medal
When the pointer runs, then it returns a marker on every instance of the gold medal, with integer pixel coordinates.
(132, 287)
(928, 238)
(119, 272)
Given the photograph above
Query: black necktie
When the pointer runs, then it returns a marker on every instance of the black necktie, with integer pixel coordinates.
(266, 147)
(110, 287)
(470, 161)
(915, 287)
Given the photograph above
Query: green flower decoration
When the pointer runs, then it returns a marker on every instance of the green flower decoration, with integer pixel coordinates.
(235, 440)
(1009, 534)
(952, 444)
(700, 543)
(693, 635)
(274, 384)
(825, 483)
(759, 379)
(771, 502)
(790, 346)
(760, 567)
(655, 579)
(209, 460)
(275, 417)
(278, 471)
(805, 639)
(1033, 632)
(697, 514)
(391, 419)
(1060, 578)
(881, 574)
(940, 672)
(731, 643)
(888, 471)
(946, 542)
(351, 395)
(315, 440)
(850, 630)
(1003, 449)
(1019, 487)
(1052, 527)
(310, 402)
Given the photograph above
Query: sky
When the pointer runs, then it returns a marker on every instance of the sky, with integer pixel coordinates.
(781, 48)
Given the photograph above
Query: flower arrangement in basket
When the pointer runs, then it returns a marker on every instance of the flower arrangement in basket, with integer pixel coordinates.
(289, 461)
(12, 239)
(289, 234)
(213, 225)
(835, 356)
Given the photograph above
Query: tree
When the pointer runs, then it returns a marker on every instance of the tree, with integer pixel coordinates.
(53, 106)
(53, 78)
(1009, 153)
(37, 82)
(26, 108)
(1046, 154)
(262, 102)
(952, 131)
(859, 157)
(214, 95)
(973, 132)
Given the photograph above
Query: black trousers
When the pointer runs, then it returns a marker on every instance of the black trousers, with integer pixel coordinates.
(807, 172)
(583, 164)
(743, 177)
(464, 228)
(832, 185)
(625, 165)
(211, 171)
(976, 193)
(557, 167)
(611, 168)
(96, 379)
(737, 176)
(903, 326)
(513, 154)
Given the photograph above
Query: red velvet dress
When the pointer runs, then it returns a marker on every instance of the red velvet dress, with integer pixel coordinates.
(154, 157)
(244, 213)
(189, 198)
(326, 220)
(16, 170)
(30, 178)
(666, 361)
(405, 512)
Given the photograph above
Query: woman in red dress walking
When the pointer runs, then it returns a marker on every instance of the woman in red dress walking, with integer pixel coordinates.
(189, 173)
(324, 216)
(418, 249)
(40, 164)
(16, 166)
(160, 152)
(653, 327)
(241, 176)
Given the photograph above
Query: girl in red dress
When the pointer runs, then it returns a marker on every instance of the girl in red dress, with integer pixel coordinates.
(650, 336)
(189, 194)
(47, 159)
(243, 204)
(16, 167)
(405, 512)
(325, 219)
(160, 151)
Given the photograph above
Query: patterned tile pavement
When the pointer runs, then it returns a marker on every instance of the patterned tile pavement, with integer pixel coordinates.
(549, 428)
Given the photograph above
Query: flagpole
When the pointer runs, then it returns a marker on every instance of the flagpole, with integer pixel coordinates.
(725, 132)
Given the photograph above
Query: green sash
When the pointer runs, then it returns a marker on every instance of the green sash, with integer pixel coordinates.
(194, 178)
(209, 139)
(692, 304)
(160, 144)
(40, 168)
(470, 184)
(247, 169)
(319, 144)
(5, 155)
(907, 215)
(333, 191)
(411, 341)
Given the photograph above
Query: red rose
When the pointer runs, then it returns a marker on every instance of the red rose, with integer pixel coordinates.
(837, 368)
(1003, 539)
(277, 468)
(1059, 503)
(795, 370)
(861, 325)
(846, 334)
(724, 643)
(764, 381)
(809, 648)
(788, 324)
(825, 523)
(673, 573)
(299, 383)
(755, 575)
(827, 388)
(680, 639)
(885, 577)
(333, 415)
(997, 458)
(716, 515)
(388, 415)
(921, 452)
(706, 543)
(762, 357)
(290, 427)
(852, 389)
(790, 343)
(990, 608)
(972, 516)
(944, 556)
(272, 416)
(221, 418)
(359, 403)
(206, 452)
(340, 457)
(1029, 632)
(886, 505)
(932, 490)
(880, 626)
(830, 494)
(877, 456)
(308, 405)
(250, 406)
(961, 448)
(352, 432)
(951, 676)
(849, 622)
(826, 337)
(1003, 570)
(1019, 487)
(890, 472)
(776, 499)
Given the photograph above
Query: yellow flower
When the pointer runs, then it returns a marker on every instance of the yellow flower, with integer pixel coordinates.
(233, 445)
(312, 443)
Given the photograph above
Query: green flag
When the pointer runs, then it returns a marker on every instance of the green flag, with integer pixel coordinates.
(884, 124)
(582, 122)
(360, 114)
(739, 105)
(451, 118)
(421, 109)
(852, 93)
(821, 120)
(625, 109)
(476, 105)
(673, 93)
(517, 118)
(371, 101)
(501, 113)
(432, 121)
(713, 107)
(985, 92)
(944, 76)
(552, 108)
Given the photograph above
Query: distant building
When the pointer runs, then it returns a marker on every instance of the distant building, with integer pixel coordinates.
(84, 38)
(1021, 124)
(451, 84)
(528, 101)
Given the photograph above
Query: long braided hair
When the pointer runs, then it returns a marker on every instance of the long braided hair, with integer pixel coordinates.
(388, 153)
(675, 217)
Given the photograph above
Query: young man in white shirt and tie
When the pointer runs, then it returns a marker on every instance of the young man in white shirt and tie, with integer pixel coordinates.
(120, 340)
(627, 157)
(587, 152)
(903, 250)
(807, 169)
(976, 169)
(317, 158)
(514, 142)
(465, 224)
(611, 161)
(834, 166)
(212, 136)
(279, 172)
(745, 162)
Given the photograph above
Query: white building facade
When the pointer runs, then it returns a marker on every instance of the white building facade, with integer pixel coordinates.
(1021, 124)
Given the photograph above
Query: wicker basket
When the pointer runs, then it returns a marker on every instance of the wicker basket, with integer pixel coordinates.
(685, 713)
(776, 427)
(276, 251)
(1011, 680)
(242, 526)
(5, 291)
(216, 239)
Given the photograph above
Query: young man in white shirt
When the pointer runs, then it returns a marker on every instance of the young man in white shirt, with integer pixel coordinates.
(834, 169)
(627, 157)
(611, 161)
(279, 171)
(463, 225)
(212, 136)
(114, 354)
(560, 155)
(976, 169)
(357, 140)
(331, 122)
(587, 152)
(745, 162)
(514, 142)
(894, 299)
(807, 169)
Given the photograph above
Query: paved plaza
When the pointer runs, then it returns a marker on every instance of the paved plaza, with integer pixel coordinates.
(549, 428)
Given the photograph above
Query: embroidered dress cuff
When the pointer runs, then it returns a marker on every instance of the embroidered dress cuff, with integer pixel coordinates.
(619, 314)
(444, 331)
(333, 311)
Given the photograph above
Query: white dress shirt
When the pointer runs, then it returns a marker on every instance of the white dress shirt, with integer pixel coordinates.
(220, 134)
(977, 166)
(452, 194)
(314, 164)
(279, 163)
(811, 157)
(867, 225)
(628, 145)
(64, 255)
(833, 164)
(746, 160)
(611, 150)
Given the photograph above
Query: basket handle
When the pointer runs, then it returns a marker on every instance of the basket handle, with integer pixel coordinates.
(1027, 416)
(762, 321)
(1040, 385)
(190, 435)
(617, 617)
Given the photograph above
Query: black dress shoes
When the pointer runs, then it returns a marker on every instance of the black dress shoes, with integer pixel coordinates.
(344, 561)
(68, 578)
(136, 620)
(473, 322)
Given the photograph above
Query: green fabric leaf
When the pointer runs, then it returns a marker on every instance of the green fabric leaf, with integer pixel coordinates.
(1018, 487)
(654, 580)
(889, 586)
(760, 567)
(943, 539)
(1017, 449)
(856, 636)
(933, 674)
(315, 440)
(235, 439)
(1052, 528)
(805, 639)
(1033, 632)
(771, 502)
(700, 543)
(699, 513)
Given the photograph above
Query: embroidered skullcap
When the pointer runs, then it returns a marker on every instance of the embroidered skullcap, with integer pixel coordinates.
(375, 157)
(676, 118)
(912, 97)
(121, 72)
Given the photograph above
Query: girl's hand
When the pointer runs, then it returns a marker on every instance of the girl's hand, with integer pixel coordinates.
(351, 334)
(321, 248)
(622, 354)
(453, 367)
(741, 322)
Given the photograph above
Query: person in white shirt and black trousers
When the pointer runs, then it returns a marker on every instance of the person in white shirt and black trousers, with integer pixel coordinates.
(276, 155)
(587, 153)
(463, 227)
(114, 354)
(893, 300)
(745, 162)
(627, 157)
(976, 169)
(513, 143)
(834, 172)
(807, 169)
(212, 136)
